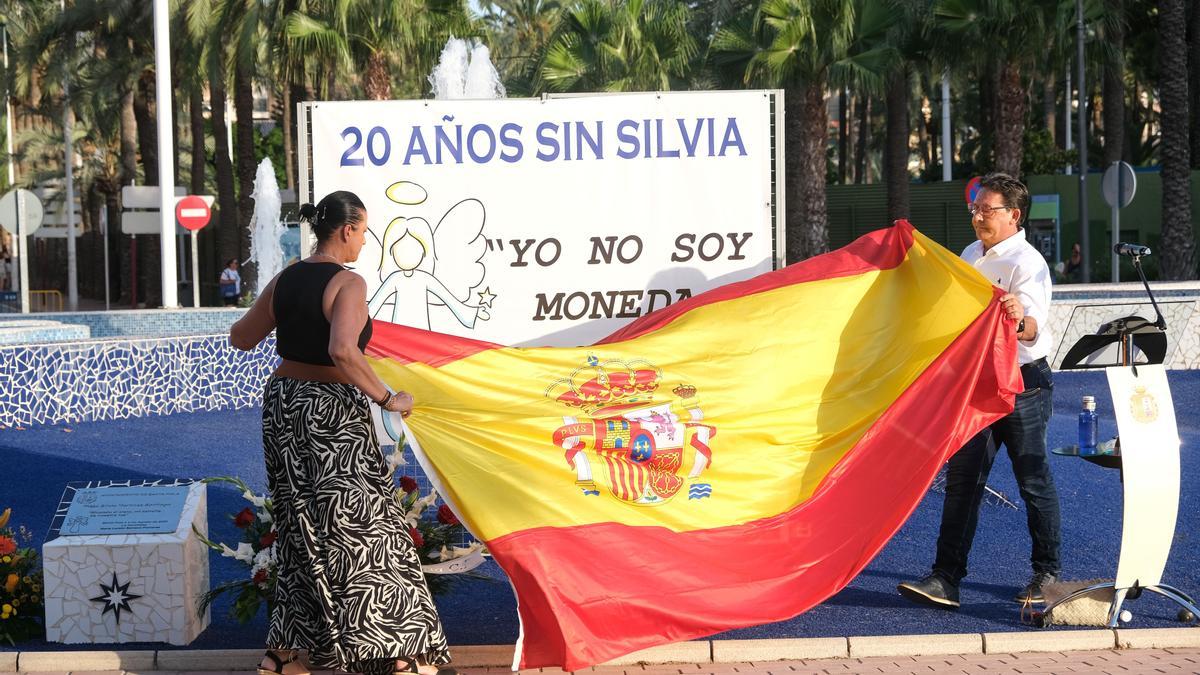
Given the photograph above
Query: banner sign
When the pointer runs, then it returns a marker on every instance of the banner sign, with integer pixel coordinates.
(551, 221)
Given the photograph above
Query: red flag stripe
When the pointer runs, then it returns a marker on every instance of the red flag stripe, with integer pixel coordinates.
(768, 570)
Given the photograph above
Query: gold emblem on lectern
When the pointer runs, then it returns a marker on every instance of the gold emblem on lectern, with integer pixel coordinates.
(1143, 406)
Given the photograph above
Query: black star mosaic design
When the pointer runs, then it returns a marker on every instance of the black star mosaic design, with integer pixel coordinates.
(115, 597)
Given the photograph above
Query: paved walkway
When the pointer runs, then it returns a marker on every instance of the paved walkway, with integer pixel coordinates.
(1097, 662)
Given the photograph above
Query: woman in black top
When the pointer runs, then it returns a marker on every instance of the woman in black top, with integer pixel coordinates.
(350, 590)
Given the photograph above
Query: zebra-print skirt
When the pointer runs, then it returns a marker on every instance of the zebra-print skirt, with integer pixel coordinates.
(350, 587)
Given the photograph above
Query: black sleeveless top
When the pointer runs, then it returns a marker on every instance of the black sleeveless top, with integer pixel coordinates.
(301, 329)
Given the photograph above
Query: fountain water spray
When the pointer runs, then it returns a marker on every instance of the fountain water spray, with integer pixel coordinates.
(266, 230)
(465, 70)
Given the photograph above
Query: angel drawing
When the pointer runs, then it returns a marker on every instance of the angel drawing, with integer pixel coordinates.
(422, 267)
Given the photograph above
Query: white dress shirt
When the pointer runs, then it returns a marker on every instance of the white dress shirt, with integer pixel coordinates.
(1016, 267)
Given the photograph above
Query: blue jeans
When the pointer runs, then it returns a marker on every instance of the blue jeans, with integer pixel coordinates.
(1023, 433)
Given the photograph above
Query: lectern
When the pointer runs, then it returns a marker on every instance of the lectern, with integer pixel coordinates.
(1132, 349)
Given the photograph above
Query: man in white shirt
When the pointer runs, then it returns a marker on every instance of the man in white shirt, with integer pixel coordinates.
(1007, 260)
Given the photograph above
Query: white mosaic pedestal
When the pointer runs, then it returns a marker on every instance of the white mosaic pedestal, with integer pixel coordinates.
(168, 572)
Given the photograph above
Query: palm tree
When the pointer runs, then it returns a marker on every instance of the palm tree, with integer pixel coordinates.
(908, 32)
(203, 28)
(520, 31)
(1114, 81)
(109, 43)
(804, 46)
(620, 45)
(379, 38)
(1178, 237)
(1010, 36)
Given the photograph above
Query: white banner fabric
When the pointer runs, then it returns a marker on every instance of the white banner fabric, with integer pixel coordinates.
(550, 222)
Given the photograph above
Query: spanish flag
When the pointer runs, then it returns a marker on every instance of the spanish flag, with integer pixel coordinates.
(730, 460)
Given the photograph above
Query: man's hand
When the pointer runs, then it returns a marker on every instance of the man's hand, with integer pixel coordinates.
(1012, 307)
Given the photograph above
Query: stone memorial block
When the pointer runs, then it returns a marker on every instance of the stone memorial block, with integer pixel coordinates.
(121, 563)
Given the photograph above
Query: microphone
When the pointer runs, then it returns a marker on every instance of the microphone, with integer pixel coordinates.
(1134, 250)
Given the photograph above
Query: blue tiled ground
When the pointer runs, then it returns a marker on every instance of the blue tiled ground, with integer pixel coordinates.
(36, 463)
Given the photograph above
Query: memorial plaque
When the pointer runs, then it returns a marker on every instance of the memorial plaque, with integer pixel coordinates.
(147, 509)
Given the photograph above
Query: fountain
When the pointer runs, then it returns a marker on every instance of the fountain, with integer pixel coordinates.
(465, 70)
(266, 230)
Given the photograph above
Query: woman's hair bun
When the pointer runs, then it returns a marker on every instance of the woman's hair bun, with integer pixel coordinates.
(308, 212)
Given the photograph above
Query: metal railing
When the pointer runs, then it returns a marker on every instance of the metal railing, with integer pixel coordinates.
(41, 301)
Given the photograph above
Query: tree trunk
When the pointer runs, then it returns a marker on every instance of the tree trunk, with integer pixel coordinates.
(807, 230)
(929, 127)
(196, 123)
(377, 82)
(1050, 105)
(147, 132)
(1113, 96)
(227, 231)
(289, 151)
(126, 175)
(843, 134)
(1010, 120)
(1178, 237)
(299, 93)
(1194, 80)
(148, 247)
(895, 150)
(243, 103)
(863, 108)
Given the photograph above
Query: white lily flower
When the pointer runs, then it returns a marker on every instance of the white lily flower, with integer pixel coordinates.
(460, 551)
(253, 499)
(395, 459)
(265, 516)
(228, 552)
(244, 552)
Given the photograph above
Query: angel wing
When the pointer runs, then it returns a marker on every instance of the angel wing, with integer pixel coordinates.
(460, 246)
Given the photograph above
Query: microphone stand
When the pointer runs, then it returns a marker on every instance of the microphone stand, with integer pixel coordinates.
(1160, 322)
(1137, 265)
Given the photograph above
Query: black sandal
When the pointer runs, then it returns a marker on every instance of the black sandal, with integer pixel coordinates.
(413, 666)
(279, 663)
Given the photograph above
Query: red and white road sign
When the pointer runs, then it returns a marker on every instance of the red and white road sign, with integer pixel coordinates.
(192, 212)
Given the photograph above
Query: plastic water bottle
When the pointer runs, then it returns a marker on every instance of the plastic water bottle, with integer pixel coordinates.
(1087, 427)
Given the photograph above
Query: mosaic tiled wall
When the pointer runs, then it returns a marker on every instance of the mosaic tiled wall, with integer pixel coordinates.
(151, 322)
(26, 331)
(117, 379)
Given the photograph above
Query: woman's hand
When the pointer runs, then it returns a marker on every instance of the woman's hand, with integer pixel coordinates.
(401, 402)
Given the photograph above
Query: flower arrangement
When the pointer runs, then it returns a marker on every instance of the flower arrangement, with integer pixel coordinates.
(20, 584)
(433, 535)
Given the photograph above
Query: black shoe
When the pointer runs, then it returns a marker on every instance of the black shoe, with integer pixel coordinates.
(1032, 593)
(933, 590)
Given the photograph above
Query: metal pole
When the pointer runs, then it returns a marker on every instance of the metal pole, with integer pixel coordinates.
(69, 195)
(19, 279)
(166, 178)
(1083, 160)
(195, 270)
(947, 151)
(1115, 269)
(104, 230)
(1070, 142)
(24, 249)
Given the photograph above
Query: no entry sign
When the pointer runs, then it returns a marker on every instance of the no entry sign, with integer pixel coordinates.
(192, 212)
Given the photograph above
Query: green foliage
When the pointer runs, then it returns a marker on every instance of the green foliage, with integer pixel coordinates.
(1043, 156)
(610, 45)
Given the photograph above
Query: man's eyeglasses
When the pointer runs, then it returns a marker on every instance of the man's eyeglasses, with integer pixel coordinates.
(984, 211)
